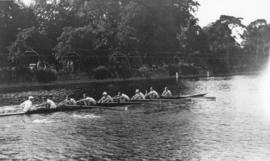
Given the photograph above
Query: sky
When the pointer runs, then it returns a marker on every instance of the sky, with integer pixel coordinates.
(210, 10)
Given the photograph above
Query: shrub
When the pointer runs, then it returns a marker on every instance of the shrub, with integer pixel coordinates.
(46, 76)
(101, 72)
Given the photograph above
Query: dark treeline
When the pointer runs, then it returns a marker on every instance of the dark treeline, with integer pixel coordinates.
(121, 37)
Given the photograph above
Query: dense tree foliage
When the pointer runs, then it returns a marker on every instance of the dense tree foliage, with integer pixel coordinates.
(30, 40)
(130, 33)
(257, 39)
(222, 39)
(13, 17)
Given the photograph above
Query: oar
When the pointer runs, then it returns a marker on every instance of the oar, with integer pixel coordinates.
(211, 98)
(115, 108)
(39, 105)
(12, 114)
(92, 107)
(194, 95)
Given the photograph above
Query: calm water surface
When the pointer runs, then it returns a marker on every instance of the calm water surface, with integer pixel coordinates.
(235, 126)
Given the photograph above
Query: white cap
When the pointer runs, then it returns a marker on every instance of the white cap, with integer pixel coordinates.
(30, 97)
(104, 93)
(137, 90)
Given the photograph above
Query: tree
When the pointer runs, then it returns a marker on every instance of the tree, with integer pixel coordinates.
(54, 15)
(13, 16)
(256, 36)
(221, 36)
(30, 39)
(105, 31)
(162, 26)
(84, 41)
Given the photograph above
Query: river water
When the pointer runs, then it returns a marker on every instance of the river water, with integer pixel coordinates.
(235, 126)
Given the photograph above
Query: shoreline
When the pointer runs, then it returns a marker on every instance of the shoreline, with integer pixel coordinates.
(37, 85)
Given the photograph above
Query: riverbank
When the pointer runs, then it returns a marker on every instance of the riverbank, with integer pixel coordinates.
(62, 83)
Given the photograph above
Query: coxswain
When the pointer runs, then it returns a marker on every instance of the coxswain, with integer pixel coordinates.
(166, 92)
(105, 98)
(152, 94)
(138, 95)
(27, 105)
(121, 97)
(87, 101)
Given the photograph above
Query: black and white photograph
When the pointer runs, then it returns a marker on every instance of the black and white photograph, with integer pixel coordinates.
(135, 80)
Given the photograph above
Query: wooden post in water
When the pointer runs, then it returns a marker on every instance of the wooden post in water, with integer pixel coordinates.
(207, 74)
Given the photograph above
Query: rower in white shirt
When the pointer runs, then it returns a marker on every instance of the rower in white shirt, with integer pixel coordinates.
(68, 101)
(121, 97)
(28, 104)
(152, 94)
(87, 100)
(47, 103)
(105, 98)
(166, 92)
(51, 104)
(138, 95)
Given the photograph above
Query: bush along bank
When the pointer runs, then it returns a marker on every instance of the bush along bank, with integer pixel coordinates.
(18, 75)
(21, 74)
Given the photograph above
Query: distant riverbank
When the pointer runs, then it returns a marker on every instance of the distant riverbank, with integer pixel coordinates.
(62, 83)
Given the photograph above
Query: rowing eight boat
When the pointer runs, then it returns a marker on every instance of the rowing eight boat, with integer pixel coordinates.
(99, 105)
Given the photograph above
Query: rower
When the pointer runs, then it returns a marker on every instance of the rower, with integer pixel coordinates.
(87, 101)
(166, 92)
(105, 98)
(50, 104)
(65, 101)
(47, 102)
(72, 101)
(121, 97)
(68, 101)
(138, 95)
(27, 105)
(152, 94)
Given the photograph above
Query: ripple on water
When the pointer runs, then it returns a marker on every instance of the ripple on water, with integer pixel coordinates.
(43, 121)
(87, 116)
